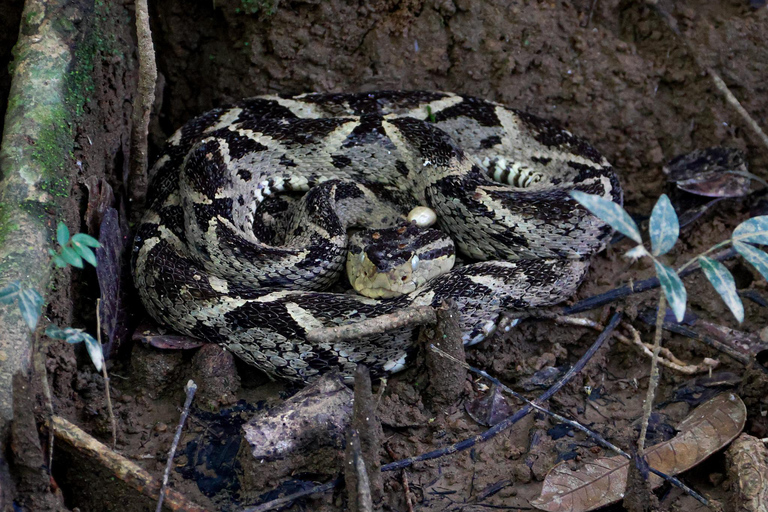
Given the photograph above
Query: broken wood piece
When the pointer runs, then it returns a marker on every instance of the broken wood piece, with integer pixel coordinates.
(356, 476)
(367, 429)
(122, 468)
(446, 376)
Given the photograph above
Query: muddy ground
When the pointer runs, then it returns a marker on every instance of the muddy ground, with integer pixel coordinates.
(609, 70)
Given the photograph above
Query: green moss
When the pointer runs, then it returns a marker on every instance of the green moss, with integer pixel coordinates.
(54, 148)
(80, 84)
(7, 225)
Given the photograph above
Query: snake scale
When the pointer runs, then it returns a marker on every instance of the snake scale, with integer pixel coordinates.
(212, 258)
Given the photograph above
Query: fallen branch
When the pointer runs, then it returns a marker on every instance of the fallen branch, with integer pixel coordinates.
(136, 477)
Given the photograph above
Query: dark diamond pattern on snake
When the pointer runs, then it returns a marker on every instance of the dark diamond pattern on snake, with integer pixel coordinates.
(256, 210)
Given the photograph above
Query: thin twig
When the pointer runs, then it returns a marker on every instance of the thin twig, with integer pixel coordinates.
(467, 443)
(637, 287)
(408, 317)
(112, 421)
(671, 23)
(511, 420)
(654, 380)
(407, 491)
(575, 424)
(190, 389)
(279, 502)
(40, 368)
(669, 360)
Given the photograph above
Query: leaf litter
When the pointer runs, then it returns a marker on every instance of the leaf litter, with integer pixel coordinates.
(602, 481)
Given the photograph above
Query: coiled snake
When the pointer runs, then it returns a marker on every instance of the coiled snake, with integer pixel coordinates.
(229, 252)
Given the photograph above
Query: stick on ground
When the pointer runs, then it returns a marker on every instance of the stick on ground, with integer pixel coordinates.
(122, 468)
(190, 389)
(408, 317)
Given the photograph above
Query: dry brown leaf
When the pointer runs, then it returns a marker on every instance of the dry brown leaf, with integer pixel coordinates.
(600, 482)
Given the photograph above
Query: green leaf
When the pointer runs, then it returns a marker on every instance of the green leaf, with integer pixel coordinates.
(9, 294)
(84, 252)
(723, 282)
(673, 289)
(754, 230)
(94, 350)
(664, 227)
(59, 261)
(71, 257)
(609, 212)
(56, 332)
(754, 256)
(75, 336)
(31, 307)
(62, 234)
(84, 239)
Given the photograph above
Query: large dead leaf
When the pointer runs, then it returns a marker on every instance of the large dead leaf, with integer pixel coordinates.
(603, 481)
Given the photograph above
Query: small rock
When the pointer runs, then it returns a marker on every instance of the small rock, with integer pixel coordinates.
(156, 370)
(215, 373)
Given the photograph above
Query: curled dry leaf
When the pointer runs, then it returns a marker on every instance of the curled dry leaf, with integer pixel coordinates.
(710, 172)
(603, 481)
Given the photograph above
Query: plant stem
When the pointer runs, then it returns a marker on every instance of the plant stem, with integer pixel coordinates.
(112, 421)
(708, 251)
(654, 380)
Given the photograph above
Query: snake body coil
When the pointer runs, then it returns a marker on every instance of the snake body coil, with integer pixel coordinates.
(229, 250)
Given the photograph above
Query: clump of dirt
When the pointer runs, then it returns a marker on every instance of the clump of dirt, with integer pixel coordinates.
(611, 70)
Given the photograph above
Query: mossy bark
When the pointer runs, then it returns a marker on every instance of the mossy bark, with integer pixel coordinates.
(35, 157)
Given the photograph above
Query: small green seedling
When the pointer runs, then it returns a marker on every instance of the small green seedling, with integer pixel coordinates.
(664, 229)
(72, 335)
(74, 250)
(29, 300)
